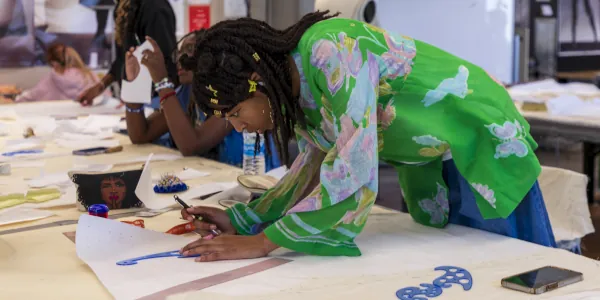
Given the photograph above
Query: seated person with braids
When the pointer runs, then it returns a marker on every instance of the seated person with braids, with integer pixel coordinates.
(135, 19)
(189, 129)
(354, 94)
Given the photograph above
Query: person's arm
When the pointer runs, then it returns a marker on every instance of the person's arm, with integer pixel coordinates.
(192, 140)
(158, 22)
(334, 213)
(38, 91)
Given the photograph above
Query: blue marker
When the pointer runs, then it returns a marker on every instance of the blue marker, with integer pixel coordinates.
(13, 153)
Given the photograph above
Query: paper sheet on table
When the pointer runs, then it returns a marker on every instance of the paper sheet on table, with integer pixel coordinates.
(28, 164)
(77, 145)
(155, 157)
(102, 135)
(4, 129)
(187, 174)
(54, 179)
(8, 114)
(139, 89)
(278, 172)
(91, 167)
(93, 124)
(21, 214)
(571, 105)
(206, 189)
(69, 197)
(23, 144)
(102, 242)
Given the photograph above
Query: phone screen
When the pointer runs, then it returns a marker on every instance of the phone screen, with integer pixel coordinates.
(541, 277)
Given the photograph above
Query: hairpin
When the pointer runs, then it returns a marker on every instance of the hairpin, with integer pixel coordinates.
(210, 88)
(252, 86)
(214, 101)
(255, 56)
(217, 113)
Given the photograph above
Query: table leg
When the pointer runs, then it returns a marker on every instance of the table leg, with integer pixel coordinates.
(589, 155)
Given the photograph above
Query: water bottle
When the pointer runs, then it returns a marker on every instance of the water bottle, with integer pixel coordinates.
(253, 161)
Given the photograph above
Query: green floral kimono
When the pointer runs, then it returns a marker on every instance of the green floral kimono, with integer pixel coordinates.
(372, 95)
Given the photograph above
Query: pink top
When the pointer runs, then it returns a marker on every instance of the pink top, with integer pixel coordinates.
(55, 86)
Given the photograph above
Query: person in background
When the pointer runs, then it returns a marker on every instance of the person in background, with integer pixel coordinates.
(134, 20)
(69, 75)
(184, 126)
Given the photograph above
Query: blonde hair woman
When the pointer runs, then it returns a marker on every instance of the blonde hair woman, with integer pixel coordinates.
(68, 77)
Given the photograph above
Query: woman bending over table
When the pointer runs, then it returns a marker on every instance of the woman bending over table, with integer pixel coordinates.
(66, 79)
(178, 118)
(354, 94)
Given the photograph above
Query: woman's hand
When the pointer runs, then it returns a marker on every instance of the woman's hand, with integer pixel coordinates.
(155, 62)
(230, 247)
(87, 97)
(132, 67)
(212, 218)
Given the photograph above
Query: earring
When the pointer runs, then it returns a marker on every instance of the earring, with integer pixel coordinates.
(263, 111)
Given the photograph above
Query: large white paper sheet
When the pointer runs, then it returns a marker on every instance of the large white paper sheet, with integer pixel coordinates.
(102, 242)
(77, 145)
(54, 179)
(21, 214)
(207, 189)
(138, 90)
(24, 144)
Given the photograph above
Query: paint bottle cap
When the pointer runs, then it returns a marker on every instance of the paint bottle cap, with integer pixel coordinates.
(98, 210)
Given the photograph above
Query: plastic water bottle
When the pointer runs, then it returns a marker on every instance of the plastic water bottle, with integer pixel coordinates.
(253, 161)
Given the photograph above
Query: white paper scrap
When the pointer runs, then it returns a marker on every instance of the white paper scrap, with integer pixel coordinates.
(55, 179)
(139, 89)
(144, 189)
(187, 174)
(21, 214)
(28, 164)
(102, 242)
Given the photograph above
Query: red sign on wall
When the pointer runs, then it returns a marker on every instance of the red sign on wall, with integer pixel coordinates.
(199, 16)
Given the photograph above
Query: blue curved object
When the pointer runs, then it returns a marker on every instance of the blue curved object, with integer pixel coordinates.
(133, 261)
(452, 275)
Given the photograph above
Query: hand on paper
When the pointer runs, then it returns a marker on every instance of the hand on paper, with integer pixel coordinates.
(155, 62)
(212, 218)
(132, 67)
(229, 247)
(87, 97)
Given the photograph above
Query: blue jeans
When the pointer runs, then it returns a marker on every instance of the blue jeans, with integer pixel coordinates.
(528, 222)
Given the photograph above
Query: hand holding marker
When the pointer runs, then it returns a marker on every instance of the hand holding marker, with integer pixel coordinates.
(215, 232)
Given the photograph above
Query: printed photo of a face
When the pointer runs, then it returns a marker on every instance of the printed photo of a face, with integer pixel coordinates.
(113, 190)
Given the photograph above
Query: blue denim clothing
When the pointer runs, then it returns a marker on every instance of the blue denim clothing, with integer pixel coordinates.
(230, 151)
(528, 222)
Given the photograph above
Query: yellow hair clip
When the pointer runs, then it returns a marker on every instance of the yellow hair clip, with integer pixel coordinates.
(252, 86)
(256, 57)
(214, 101)
(210, 88)
(217, 113)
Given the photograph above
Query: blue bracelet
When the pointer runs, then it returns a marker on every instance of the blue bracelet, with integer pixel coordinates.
(134, 110)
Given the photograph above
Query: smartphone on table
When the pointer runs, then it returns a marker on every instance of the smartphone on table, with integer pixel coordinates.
(542, 280)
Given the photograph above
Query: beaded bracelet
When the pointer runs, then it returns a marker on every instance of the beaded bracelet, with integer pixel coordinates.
(134, 110)
(163, 84)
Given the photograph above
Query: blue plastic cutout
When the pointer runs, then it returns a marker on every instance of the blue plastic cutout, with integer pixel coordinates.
(133, 261)
(414, 293)
(452, 275)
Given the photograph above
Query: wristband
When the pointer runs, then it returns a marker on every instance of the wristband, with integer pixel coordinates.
(134, 110)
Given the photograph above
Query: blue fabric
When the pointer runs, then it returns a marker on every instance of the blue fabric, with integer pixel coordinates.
(230, 151)
(528, 222)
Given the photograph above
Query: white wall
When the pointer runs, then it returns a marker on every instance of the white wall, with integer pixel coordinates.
(480, 31)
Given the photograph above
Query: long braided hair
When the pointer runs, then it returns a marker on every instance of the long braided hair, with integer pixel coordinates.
(229, 52)
(126, 12)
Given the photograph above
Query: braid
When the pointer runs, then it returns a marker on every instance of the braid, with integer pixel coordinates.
(125, 20)
(226, 57)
